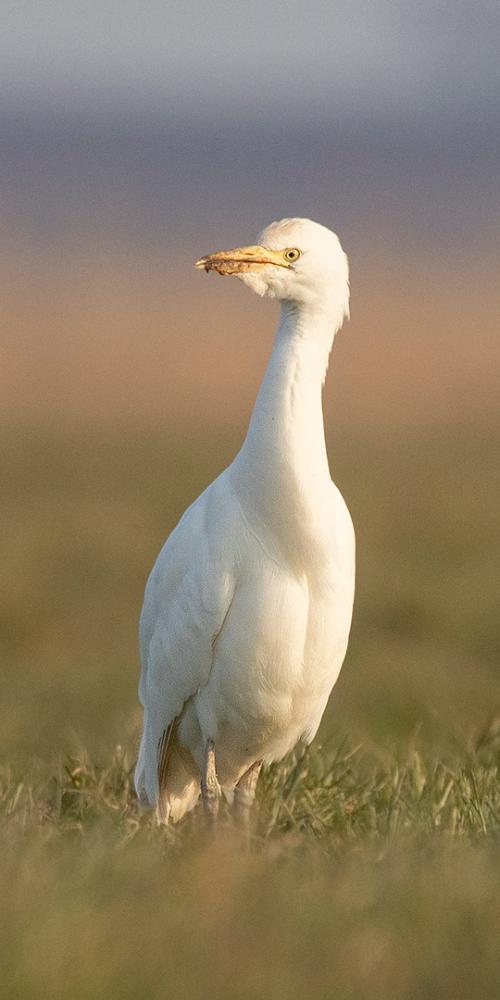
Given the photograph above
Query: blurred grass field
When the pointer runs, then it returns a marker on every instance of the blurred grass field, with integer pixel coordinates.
(374, 875)
(362, 882)
(88, 511)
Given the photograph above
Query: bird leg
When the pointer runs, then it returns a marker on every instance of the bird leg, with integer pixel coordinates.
(210, 788)
(244, 794)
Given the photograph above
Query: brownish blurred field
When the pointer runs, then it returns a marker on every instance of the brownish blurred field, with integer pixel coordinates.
(96, 339)
(126, 386)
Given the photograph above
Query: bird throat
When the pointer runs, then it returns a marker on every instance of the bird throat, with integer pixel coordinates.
(283, 465)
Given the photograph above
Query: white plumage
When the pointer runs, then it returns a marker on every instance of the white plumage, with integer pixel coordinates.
(247, 610)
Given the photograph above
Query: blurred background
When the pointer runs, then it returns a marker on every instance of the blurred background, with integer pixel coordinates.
(136, 137)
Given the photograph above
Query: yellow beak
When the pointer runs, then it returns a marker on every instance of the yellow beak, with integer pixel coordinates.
(241, 259)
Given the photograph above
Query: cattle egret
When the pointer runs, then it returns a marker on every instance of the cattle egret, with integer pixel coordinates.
(247, 611)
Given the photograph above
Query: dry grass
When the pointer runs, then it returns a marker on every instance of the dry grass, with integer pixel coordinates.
(339, 796)
(365, 880)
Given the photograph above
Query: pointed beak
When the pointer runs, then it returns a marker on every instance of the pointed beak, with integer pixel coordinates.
(240, 260)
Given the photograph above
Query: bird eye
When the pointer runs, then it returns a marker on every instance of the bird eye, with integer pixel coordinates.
(292, 254)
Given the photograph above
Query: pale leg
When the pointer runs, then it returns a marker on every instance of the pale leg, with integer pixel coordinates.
(210, 788)
(244, 794)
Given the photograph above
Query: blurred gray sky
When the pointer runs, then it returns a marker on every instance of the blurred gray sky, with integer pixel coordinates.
(137, 121)
(414, 57)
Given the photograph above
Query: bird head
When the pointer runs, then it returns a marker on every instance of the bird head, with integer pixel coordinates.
(294, 260)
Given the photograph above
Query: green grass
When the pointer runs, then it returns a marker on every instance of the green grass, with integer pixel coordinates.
(373, 872)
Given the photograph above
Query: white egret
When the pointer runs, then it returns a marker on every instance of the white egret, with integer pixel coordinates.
(248, 608)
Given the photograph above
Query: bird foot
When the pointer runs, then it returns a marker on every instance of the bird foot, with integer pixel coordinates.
(210, 788)
(244, 796)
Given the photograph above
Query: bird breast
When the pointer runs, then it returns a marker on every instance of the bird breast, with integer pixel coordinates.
(279, 653)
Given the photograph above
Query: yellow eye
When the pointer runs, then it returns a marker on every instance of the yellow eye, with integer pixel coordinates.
(291, 254)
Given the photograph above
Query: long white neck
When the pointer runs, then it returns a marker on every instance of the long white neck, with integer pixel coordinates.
(282, 471)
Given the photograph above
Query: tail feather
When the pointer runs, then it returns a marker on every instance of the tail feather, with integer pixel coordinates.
(166, 776)
(165, 748)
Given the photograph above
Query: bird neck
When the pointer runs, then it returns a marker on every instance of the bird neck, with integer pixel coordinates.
(283, 465)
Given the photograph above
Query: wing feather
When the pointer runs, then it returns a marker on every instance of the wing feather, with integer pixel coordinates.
(187, 599)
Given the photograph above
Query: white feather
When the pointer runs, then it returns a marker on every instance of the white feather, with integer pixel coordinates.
(247, 611)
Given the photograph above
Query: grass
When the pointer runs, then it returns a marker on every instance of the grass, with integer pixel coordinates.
(338, 796)
(88, 512)
(365, 879)
(374, 868)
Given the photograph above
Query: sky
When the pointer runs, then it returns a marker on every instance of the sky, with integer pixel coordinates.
(408, 57)
(144, 120)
